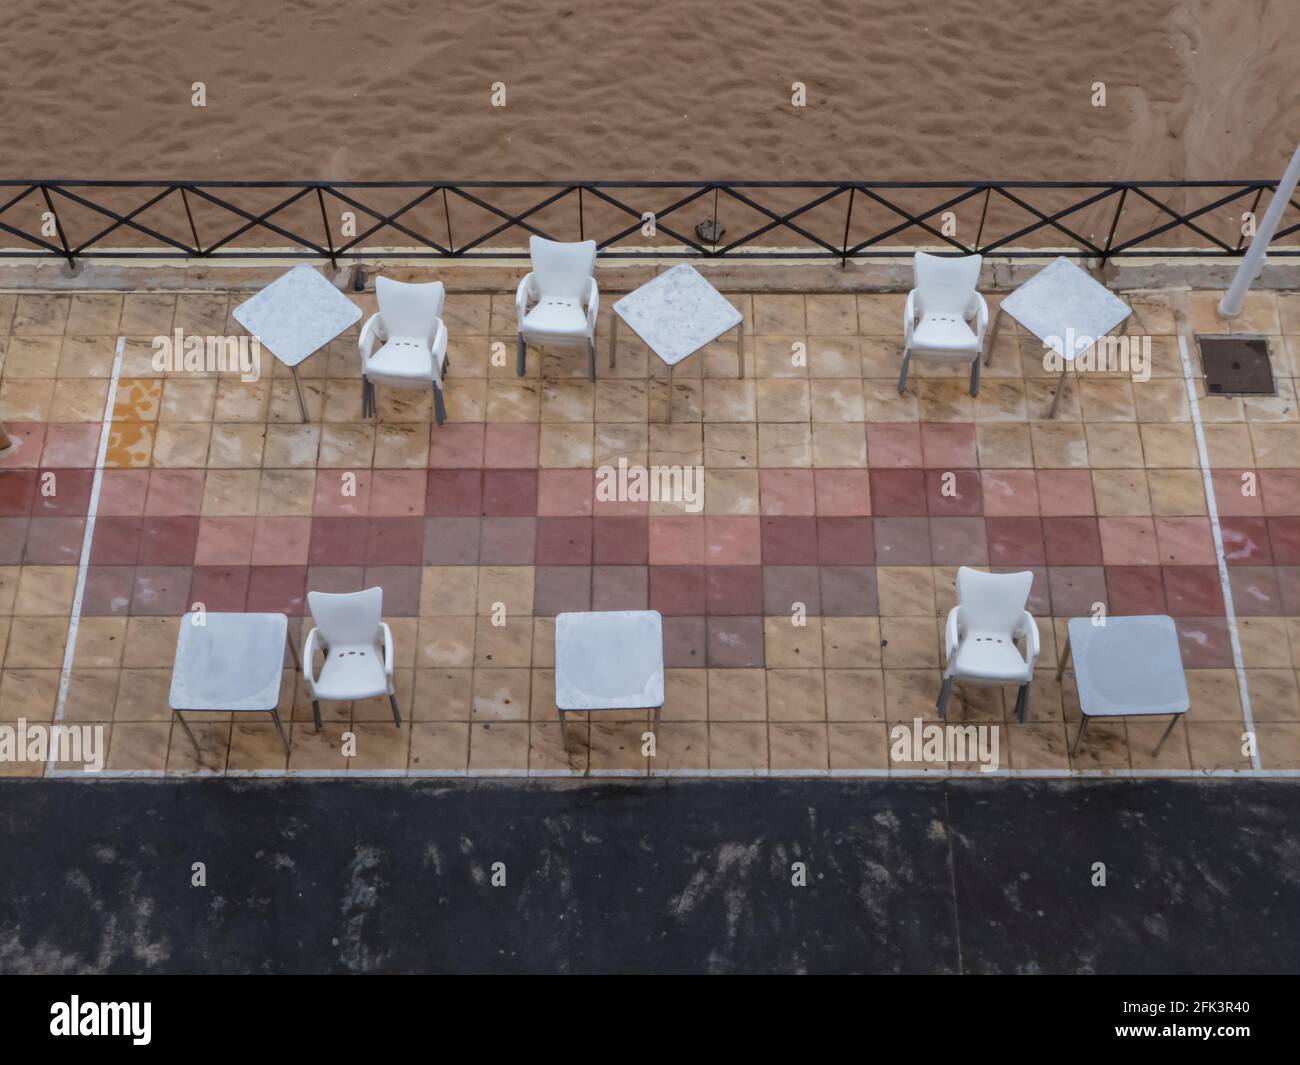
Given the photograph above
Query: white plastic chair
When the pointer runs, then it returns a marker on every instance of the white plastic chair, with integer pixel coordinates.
(565, 299)
(945, 318)
(414, 351)
(358, 648)
(981, 634)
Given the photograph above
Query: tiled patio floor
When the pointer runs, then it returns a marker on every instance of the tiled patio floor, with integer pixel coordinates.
(823, 487)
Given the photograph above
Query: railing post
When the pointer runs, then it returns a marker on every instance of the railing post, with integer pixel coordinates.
(848, 218)
(1253, 263)
(329, 237)
(58, 228)
(446, 212)
(1114, 225)
(198, 245)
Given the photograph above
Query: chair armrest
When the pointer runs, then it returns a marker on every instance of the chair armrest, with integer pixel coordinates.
(909, 318)
(527, 288)
(981, 311)
(388, 649)
(308, 663)
(1029, 629)
(439, 350)
(951, 637)
(373, 330)
(593, 307)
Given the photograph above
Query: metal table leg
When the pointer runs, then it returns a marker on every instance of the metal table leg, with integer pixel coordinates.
(1173, 720)
(1065, 381)
(670, 393)
(1065, 656)
(564, 733)
(297, 386)
(275, 716)
(1083, 727)
(740, 348)
(993, 335)
(613, 338)
(186, 726)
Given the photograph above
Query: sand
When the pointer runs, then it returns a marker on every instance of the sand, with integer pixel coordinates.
(897, 90)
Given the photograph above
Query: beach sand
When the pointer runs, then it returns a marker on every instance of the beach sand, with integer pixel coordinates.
(675, 89)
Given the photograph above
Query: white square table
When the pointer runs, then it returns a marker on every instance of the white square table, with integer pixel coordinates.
(609, 660)
(230, 663)
(1061, 301)
(676, 314)
(296, 314)
(1126, 667)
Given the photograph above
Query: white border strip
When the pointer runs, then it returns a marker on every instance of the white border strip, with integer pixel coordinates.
(1238, 660)
(74, 622)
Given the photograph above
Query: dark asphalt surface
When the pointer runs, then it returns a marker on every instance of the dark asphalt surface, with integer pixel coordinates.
(660, 876)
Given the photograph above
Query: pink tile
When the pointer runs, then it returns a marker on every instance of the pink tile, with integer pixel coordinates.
(457, 446)
(677, 540)
(843, 493)
(123, 492)
(1237, 492)
(732, 540)
(1065, 493)
(571, 493)
(510, 447)
(225, 541)
(1128, 541)
(954, 493)
(174, 492)
(948, 446)
(1246, 541)
(563, 541)
(1072, 542)
(621, 540)
(787, 492)
(73, 444)
(454, 494)
(282, 541)
(1185, 541)
(898, 493)
(167, 539)
(397, 493)
(26, 440)
(1281, 492)
(510, 493)
(70, 496)
(894, 446)
(1010, 493)
(342, 493)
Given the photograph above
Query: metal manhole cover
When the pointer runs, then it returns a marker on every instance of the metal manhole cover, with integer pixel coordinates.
(1236, 366)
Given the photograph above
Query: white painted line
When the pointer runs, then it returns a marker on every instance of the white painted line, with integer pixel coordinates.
(74, 622)
(1238, 661)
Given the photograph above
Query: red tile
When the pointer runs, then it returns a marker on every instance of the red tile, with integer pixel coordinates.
(1076, 590)
(454, 494)
(894, 446)
(279, 590)
(1281, 492)
(512, 447)
(560, 589)
(175, 492)
(1237, 492)
(17, 492)
(338, 541)
(1185, 541)
(1128, 541)
(787, 492)
(1284, 536)
(620, 588)
(897, 493)
(509, 541)
(734, 642)
(901, 541)
(1015, 542)
(13, 540)
(948, 446)
(787, 589)
(397, 493)
(117, 542)
(455, 541)
(1133, 590)
(73, 444)
(510, 493)
(336, 579)
(457, 446)
(1010, 493)
(281, 541)
(220, 588)
(684, 642)
(225, 541)
(1204, 642)
(63, 493)
(789, 541)
(734, 590)
(342, 493)
(961, 541)
(1255, 591)
(168, 540)
(394, 541)
(677, 590)
(732, 540)
(677, 540)
(622, 541)
(1193, 591)
(161, 591)
(1065, 493)
(123, 492)
(954, 493)
(845, 542)
(564, 541)
(55, 541)
(1072, 541)
(27, 439)
(571, 493)
(108, 591)
(843, 493)
(1246, 541)
(401, 588)
(849, 591)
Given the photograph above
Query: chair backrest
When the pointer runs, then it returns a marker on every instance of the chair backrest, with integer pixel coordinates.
(992, 602)
(409, 310)
(562, 270)
(945, 285)
(349, 617)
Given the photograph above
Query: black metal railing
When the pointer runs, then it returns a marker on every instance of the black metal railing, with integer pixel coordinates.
(821, 220)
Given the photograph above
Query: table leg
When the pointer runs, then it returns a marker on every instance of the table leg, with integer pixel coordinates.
(1083, 727)
(275, 715)
(1065, 381)
(658, 711)
(993, 336)
(564, 733)
(186, 726)
(740, 349)
(1065, 656)
(670, 393)
(293, 650)
(297, 387)
(1173, 720)
(613, 338)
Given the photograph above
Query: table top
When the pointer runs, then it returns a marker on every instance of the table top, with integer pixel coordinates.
(229, 662)
(1129, 665)
(1062, 298)
(296, 314)
(609, 660)
(677, 313)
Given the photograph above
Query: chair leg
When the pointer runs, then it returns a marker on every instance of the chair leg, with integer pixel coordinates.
(1022, 703)
(941, 704)
(902, 377)
(975, 377)
(439, 408)
(315, 712)
(392, 701)
(591, 360)
(520, 355)
(365, 397)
